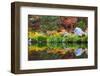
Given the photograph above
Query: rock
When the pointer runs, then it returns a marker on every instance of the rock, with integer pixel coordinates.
(78, 31)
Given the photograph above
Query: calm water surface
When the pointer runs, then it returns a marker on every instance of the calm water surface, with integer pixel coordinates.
(51, 51)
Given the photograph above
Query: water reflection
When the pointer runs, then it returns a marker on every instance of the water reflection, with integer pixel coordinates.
(50, 51)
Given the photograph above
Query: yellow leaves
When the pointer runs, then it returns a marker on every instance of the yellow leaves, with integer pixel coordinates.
(54, 33)
(50, 50)
(57, 34)
(31, 34)
(35, 48)
(34, 34)
(38, 49)
(57, 51)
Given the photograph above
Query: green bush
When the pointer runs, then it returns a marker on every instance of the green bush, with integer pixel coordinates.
(59, 39)
(49, 23)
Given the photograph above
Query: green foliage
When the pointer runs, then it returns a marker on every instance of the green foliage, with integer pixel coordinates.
(40, 39)
(81, 24)
(59, 39)
(60, 45)
(56, 39)
(49, 23)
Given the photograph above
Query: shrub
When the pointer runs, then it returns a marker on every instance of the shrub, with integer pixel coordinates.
(57, 38)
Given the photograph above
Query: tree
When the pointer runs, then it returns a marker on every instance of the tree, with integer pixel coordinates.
(49, 23)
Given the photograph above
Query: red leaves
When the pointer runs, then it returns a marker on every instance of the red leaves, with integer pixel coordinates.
(70, 21)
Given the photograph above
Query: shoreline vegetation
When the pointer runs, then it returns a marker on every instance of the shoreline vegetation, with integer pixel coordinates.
(35, 37)
(56, 46)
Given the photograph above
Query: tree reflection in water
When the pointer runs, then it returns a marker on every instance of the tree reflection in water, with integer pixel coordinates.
(50, 51)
